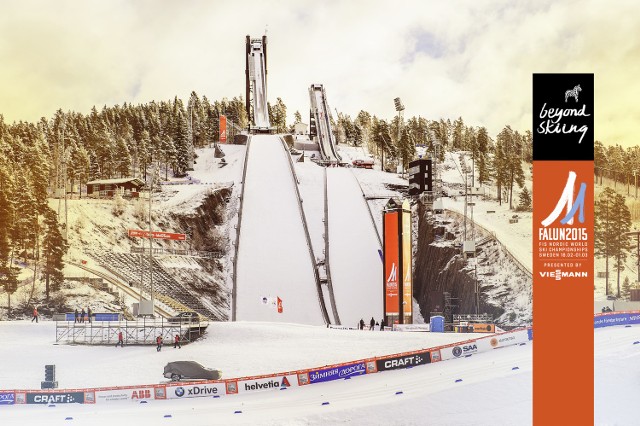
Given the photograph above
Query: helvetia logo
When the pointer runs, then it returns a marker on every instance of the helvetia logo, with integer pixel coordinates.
(566, 199)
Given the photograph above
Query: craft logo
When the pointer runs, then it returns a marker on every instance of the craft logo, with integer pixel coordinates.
(55, 398)
(405, 361)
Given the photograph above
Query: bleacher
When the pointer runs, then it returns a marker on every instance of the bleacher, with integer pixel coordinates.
(127, 267)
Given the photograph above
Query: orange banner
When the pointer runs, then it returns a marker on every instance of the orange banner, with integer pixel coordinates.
(563, 249)
(223, 129)
(407, 291)
(391, 261)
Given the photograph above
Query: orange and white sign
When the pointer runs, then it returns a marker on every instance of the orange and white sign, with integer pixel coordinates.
(223, 129)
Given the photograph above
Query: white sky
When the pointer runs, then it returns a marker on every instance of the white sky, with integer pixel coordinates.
(443, 59)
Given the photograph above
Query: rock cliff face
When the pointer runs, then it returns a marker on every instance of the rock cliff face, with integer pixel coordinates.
(504, 290)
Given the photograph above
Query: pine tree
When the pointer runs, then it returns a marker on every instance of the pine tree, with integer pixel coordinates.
(612, 218)
(53, 250)
(525, 202)
(626, 289)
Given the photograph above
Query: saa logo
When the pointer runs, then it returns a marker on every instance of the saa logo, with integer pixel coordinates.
(141, 394)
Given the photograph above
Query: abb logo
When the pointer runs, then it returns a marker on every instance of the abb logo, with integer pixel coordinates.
(141, 394)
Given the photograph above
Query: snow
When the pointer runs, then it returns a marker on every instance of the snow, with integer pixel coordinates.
(491, 391)
(265, 342)
(273, 258)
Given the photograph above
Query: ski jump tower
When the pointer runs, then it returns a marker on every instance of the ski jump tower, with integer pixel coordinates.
(256, 85)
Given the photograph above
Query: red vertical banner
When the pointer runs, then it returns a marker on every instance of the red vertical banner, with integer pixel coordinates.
(279, 305)
(391, 262)
(563, 248)
(407, 290)
(223, 129)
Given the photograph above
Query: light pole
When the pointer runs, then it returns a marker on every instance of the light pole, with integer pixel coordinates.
(637, 234)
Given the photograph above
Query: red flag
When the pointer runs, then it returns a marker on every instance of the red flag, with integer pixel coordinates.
(223, 129)
(279, 305)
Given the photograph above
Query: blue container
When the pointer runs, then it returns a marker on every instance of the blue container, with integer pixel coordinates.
(436, 324)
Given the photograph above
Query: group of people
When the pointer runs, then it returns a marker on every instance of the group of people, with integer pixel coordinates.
(159, 341)
(372, 324)
(80, 316)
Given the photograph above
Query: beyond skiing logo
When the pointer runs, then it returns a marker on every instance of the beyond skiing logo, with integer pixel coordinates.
(566, 199)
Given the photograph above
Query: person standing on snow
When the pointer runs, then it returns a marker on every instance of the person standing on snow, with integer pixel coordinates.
(159, 343)
(176, 342)
(35, 314)
(76, 316)
(372, 323)
(82, 314)
(361, 324)
(382, 324)
(120, 340)
(89, 314)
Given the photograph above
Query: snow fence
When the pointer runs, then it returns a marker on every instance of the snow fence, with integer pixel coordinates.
(271, 382)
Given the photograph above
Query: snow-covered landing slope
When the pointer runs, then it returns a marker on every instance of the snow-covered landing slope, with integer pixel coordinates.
(273, 255)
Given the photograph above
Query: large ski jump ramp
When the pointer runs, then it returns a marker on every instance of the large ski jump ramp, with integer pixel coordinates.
(356, 268)
(273, 255)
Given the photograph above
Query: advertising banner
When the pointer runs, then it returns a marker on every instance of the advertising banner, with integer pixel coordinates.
(180, 391)
(563, 245)
(223, 129)
(338, 372)
(158, 235)
(407, 289)
(112, 395)
(266, 383)
(502, 340)
(622, 318)
(405, 361)
(391, 262)
(7, 398)
(459, 351)
(55, 397)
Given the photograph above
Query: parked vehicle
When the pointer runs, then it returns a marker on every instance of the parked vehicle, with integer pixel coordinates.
(364, 164)
(189, 370)
(185, 317)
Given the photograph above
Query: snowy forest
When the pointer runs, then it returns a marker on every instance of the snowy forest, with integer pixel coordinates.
(38, 160)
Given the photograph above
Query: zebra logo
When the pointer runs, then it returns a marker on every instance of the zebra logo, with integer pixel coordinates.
(573, 93)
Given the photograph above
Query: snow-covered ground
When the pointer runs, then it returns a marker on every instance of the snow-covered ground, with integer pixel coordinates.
(491, 391)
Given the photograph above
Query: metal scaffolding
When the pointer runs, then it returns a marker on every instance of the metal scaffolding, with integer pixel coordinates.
(140, 332)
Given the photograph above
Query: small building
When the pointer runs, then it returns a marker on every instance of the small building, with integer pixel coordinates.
(105, 188)
(300, 128)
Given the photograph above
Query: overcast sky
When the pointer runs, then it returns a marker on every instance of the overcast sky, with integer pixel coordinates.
(443, 59)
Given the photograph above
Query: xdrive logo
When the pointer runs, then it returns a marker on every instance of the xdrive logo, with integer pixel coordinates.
(566, 199)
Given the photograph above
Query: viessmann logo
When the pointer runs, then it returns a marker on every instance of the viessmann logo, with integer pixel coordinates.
(559, 274)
